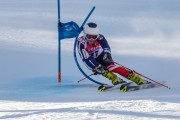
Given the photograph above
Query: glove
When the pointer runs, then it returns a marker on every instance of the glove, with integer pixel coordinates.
(99, 70)
(107, 58)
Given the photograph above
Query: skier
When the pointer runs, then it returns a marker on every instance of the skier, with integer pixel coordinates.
(95, 52)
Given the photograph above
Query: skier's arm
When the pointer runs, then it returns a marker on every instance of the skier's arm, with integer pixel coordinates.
(89, 61)
(107, 50)
(102, 40)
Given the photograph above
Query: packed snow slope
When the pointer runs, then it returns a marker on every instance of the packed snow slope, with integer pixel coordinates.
(143, 35)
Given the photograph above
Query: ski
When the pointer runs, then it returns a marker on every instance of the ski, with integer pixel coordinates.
(129, 87)
(106, 87)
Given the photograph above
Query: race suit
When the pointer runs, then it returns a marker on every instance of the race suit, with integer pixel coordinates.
(92, 55)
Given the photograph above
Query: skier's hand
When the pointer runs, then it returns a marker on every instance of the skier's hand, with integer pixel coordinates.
(99, 70)
(107, 58)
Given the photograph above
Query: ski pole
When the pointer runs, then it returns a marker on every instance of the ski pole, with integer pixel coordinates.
(144, 76)
(122, 65)
(85, 78)
(152, 80)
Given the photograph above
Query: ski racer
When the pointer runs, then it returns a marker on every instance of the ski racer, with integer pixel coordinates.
(95, 52)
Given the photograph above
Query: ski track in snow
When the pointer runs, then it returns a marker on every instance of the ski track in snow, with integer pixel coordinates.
(124, 110)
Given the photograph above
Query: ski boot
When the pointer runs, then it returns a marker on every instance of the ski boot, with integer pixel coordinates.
(137, 79)
(111, 76)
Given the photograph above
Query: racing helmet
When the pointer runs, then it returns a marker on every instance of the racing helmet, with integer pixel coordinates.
(91, 31)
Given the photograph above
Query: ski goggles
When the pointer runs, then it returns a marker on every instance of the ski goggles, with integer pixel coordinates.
(91, 37)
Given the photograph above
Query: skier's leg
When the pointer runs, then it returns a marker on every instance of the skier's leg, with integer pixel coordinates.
(113, 77)
(136, 78)
(110, 75)
(129, 74)
(107, 61)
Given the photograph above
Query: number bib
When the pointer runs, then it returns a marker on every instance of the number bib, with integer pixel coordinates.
(94, 50)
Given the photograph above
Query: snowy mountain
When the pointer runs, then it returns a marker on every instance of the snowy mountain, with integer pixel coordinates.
(143, 35)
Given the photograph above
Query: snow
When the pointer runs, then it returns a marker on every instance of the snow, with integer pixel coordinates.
(132, 109)
(144, 36)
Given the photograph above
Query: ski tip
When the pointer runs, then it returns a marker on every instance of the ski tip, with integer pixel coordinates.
(101, 88)
(123, 88)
